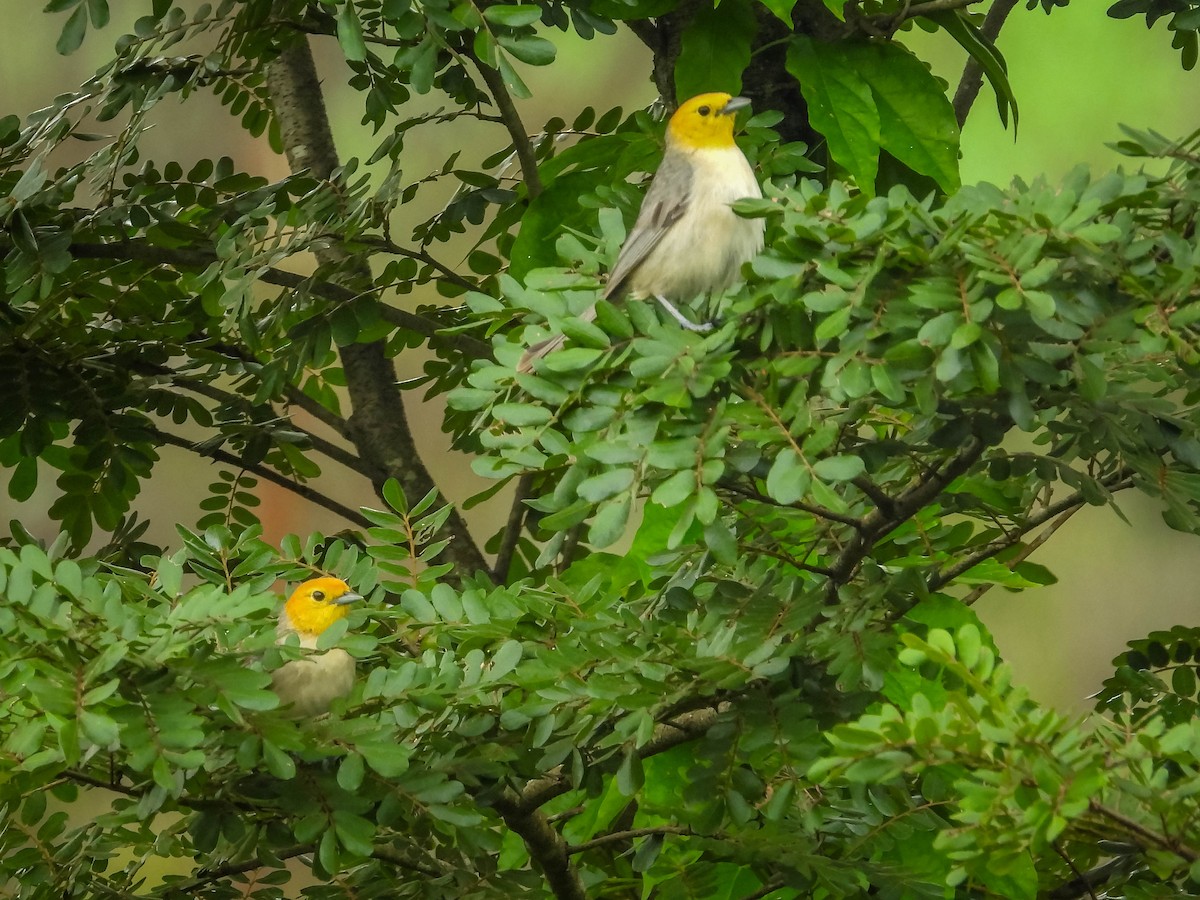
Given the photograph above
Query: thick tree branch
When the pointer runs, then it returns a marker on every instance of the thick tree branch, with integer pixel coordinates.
(379, 426)
(972, 76)
(300, 490)
(546, 846)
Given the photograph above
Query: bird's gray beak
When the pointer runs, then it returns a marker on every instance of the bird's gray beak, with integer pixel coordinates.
(348, 597)
(734, 104)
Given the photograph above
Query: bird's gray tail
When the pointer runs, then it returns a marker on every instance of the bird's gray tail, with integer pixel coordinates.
(545, 348)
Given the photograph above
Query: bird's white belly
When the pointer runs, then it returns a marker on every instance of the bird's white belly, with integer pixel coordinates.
(704, 250)
(308, 686)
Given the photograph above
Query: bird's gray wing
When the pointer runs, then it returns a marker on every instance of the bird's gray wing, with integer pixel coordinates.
(666, 200)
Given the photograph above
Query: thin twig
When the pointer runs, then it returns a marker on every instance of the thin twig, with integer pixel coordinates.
(188, 888)
(389, 246)
(679, 729)
(1063, 510)
(878, 523)
(326, 448)
(769, 888)
(512, 530)
(317, 410)
(972, 76)
(813, 509)
(1071, 865)
(191, 258)
(617, 836)
(301, 490)
(885, 24)
(1152, 837)
(512, 121)
(384, 854)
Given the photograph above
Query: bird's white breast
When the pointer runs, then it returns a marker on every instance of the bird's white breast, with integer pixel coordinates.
(705, 249)
(308, 686)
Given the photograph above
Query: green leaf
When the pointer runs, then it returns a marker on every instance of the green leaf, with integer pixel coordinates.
(841, 105)
(609, 523)
(350, 33)
(916, 119)
(715, 49)
(516, 16)
(607, 484)
(529, 48)
(838, 468)
(73, 32)
(781, 9)
(789, 478)
(957, 23)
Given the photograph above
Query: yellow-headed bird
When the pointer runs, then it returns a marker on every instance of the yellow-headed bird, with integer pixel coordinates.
(306, 687)
(687, 240)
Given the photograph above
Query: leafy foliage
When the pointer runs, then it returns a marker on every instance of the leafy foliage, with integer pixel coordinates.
(777, 687)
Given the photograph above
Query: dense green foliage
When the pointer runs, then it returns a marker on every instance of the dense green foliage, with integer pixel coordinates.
(777, 686)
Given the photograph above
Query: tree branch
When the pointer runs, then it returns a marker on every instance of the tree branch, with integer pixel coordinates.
(1151, 837)
(885, 24)
(546, 846)
(300, 490)
(512, 531)
(617, 836)
(972, 76)
(191, 258)
(813, 509)
(189, 887)
(678, 730)
(328, 418)
(512, 121)
(378, 424)
(1063, 510)
(321, 445)
(878, 523)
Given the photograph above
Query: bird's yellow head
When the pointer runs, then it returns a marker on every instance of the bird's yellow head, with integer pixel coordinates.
(317, 604)
(705, 121)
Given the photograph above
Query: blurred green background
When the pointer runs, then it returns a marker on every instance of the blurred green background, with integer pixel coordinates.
(1077, 75)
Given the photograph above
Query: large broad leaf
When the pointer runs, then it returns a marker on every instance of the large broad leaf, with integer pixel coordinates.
(715, 49)
(840, 105)
(866, 96)
(958, 25)
(916, 119)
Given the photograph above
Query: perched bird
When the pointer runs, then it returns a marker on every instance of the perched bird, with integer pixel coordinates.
(687, 240)
(306, 687)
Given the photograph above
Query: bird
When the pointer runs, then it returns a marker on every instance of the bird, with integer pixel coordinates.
(686, 240)
(307, 686)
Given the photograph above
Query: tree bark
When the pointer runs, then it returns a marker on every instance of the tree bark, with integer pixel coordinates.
(378, 423)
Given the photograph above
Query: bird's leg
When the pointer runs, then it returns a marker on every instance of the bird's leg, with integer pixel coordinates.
(679, 317)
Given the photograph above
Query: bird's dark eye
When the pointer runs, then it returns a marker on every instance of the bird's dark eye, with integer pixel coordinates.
(704, 110)
(318, 595)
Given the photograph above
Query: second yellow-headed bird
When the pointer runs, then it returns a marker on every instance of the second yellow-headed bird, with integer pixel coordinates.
(687, 240)
(306, 687)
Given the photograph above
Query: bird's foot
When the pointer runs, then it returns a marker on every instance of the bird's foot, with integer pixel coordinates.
(680, 318)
